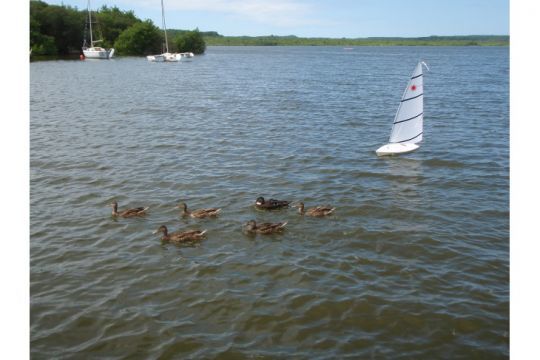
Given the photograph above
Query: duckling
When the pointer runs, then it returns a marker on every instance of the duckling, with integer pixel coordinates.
(265, 228)
(128, 212)
(271, 204)
(315, 211)
(180, 236)
(201, 213)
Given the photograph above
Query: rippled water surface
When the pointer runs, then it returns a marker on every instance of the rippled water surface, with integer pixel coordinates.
(413, 264)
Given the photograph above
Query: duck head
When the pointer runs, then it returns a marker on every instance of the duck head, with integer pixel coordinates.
(182, 206)
(259, 201)
(161, 229)
(114, 206)
(300, 207)
(251, 225)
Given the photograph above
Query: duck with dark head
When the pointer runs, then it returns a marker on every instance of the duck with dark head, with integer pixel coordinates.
(128, 212)
(180, 236)
(271, 204)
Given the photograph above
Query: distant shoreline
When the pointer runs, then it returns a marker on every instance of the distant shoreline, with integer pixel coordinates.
(470, 40)
(75, 55)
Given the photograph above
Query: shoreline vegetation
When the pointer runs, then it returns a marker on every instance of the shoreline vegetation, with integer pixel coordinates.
(59, 30)
(214, 39)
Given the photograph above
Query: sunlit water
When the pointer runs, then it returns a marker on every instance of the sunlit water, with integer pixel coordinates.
(414, 263)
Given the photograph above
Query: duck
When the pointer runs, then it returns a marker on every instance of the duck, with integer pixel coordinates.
(180, 236)
(264, 228)
(128, 212)
(271, 204)
(317, 211)
(201, 213)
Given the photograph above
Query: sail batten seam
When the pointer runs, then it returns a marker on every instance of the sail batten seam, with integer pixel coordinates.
(412, 97)
(414, 117)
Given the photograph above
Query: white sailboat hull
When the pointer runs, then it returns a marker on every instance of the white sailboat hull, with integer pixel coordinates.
(396, 149)
(98, 53)
(155, 58)
(165, 57)
(170, 57)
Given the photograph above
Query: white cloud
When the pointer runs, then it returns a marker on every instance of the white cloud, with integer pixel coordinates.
(283, 13)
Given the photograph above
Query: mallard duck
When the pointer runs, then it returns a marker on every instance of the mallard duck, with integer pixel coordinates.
(315, 211)
(201, 213)
(180, 236)
(128, 212)
(271, 204)
(265, 228)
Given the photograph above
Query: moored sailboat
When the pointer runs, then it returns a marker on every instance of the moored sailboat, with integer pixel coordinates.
(167, 56)
(407, 129)
(95, 52)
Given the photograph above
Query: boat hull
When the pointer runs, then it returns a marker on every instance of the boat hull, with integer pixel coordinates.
(93, 53)
(155, 58)
(396, 149)
(170, 57)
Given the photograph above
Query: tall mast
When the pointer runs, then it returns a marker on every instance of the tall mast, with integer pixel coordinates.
(90, 22)
(164, 26)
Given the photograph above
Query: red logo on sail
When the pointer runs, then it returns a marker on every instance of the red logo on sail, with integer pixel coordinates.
(413, 88)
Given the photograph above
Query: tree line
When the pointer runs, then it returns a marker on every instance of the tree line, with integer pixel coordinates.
(61, 30)
(291, 40)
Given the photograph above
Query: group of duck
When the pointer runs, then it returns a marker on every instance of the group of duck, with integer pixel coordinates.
(251, 227)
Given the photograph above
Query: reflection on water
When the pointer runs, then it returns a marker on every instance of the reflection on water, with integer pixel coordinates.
(405, 179)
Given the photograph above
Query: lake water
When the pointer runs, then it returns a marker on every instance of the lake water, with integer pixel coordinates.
(413, 264)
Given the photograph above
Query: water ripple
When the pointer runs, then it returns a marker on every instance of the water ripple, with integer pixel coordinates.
(413, 264)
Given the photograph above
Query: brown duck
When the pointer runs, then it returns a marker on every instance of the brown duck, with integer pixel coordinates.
(201, 213)
(271, 204)
(315, 211)
(180, 236)
(128, 212)
(264, 228)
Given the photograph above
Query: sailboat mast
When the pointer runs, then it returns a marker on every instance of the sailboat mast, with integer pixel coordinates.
(164, 26)
(90, 22)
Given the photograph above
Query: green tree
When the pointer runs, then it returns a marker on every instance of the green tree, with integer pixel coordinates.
(111, 22)
(55, 29)
(44, 45)
(190, 41)
(140, 39)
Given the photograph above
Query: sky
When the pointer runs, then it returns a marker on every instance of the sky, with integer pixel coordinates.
(322, 18)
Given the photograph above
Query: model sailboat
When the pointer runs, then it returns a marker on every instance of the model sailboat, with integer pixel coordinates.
(408, 126)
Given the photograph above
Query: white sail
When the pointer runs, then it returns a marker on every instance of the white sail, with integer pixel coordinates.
(409, 119)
